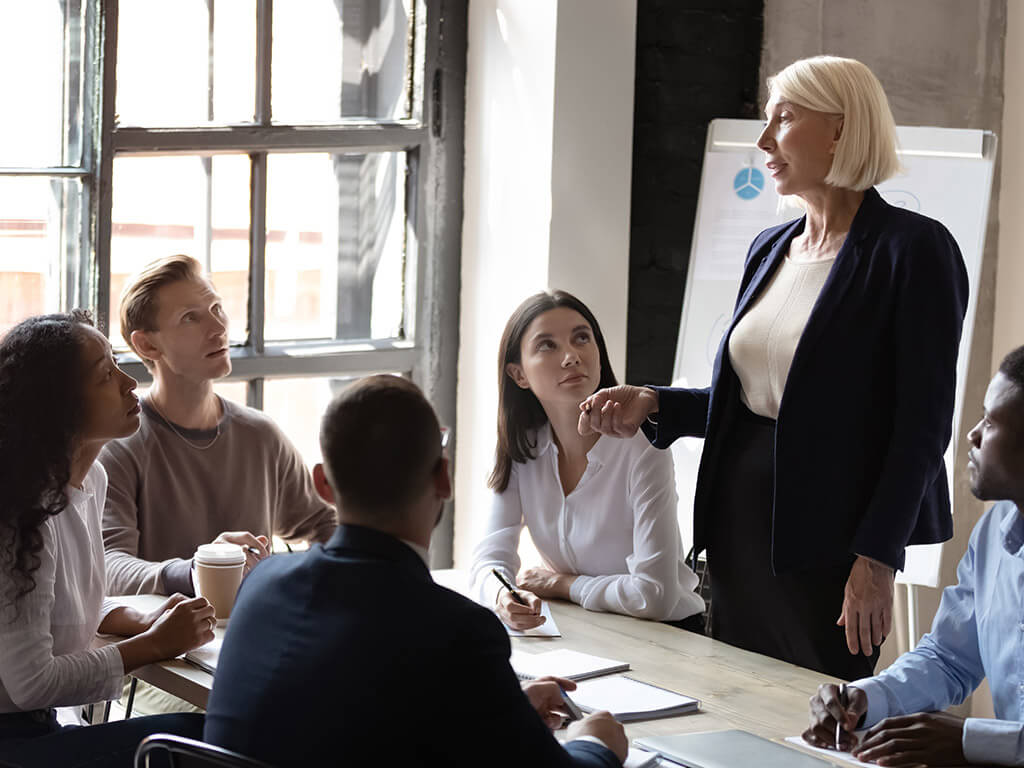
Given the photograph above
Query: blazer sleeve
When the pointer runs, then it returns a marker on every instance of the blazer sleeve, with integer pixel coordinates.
(931, 292)
(684, 412)
(506, 721)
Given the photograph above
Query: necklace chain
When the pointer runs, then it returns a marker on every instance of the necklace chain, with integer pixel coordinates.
(184, 439)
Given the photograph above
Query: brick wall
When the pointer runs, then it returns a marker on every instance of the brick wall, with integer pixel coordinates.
(695, 60)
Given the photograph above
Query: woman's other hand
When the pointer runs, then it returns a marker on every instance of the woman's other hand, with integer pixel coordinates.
(516, 615)
(184, 626)
(547, 584)
(617, 411)
(867, 605)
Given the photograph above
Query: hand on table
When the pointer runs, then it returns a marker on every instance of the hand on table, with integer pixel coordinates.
(603, 726)
(617, 411)
(826, 711)
(255, 547)
(546, 697)
(547, 584)
(521, 617)
(924, 739)
(185, 625)
(867, 605)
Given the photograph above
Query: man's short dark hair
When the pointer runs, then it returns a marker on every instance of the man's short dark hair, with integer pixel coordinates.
(381, 443)
(1012, 367)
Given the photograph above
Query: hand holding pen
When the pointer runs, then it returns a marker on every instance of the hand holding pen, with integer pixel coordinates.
(518, 608)
(836, 711)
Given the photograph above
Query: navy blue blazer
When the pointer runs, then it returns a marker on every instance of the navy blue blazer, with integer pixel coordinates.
(867, 410)
(349, 654)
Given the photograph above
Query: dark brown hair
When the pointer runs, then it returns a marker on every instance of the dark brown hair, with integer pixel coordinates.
(519, 410)
(41, 406)
(381, 442)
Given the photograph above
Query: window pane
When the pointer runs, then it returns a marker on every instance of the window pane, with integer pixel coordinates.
(297, 406)
(341, 58)
(178, 66)
(39, 236)
(336, 261)
(183, 204)
(37, 118)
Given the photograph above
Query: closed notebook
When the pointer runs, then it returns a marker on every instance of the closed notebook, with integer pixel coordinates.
(205, 656)
(727, 749)
(628, 699)
(563, 663)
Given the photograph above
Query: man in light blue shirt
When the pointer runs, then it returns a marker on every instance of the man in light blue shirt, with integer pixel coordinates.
(978, 631)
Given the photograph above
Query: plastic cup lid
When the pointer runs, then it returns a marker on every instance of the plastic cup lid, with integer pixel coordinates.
(219, 554)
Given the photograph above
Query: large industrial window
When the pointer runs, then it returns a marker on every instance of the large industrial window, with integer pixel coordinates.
(308, 153)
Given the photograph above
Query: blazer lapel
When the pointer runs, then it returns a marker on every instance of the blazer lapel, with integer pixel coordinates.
(766, 269)
(840, 277)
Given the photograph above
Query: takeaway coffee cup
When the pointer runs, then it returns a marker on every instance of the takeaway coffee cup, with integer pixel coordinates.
(218, 574)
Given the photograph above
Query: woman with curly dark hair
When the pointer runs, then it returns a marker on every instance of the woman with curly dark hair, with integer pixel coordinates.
(62, 397)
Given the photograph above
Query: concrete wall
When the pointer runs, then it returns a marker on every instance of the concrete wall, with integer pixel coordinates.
(549, 105)
(941, 63)
(1009, 310)
(695, 61)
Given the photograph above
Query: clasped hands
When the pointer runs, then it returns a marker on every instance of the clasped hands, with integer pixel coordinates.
(924, 739)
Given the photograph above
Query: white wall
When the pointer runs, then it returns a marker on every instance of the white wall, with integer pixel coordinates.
(549, 133)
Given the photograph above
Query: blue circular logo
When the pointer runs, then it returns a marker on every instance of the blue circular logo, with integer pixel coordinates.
(748, 183)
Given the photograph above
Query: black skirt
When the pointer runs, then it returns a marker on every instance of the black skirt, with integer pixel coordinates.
(790, 616)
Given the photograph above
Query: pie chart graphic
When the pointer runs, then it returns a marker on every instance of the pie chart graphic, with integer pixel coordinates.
(748, 183)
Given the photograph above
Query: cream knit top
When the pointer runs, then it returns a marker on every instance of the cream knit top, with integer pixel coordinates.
(762, 344)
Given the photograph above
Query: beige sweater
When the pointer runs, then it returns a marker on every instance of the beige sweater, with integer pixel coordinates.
(165, 497)
(762, 344)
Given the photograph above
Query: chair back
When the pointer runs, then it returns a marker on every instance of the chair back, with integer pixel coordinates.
(179, 752)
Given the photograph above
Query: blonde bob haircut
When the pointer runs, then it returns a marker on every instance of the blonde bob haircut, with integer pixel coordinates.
(866, 151)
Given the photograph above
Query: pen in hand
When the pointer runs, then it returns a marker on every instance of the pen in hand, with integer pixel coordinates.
(575, 713)
(504, 582)
(844, 702)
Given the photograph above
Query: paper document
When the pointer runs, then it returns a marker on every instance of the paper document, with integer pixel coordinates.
(628, 699)
(547, 629)
(841, 758)
(638, 758)
(205, 656)
(563, 663)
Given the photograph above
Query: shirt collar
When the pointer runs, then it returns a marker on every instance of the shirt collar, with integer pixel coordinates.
(78, 496)
(1012, 531)
(597, 455)
(423, 552)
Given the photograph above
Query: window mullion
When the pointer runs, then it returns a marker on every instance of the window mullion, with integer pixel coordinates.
(104, 169)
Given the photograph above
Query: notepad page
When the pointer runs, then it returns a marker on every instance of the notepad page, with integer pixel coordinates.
(547, 629)
(564, 662)
(845, 758)
(623, 694)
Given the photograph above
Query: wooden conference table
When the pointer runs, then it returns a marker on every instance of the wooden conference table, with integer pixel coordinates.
(737, 689)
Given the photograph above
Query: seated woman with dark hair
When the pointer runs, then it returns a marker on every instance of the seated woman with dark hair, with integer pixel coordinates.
(62, 397)
(602, 512)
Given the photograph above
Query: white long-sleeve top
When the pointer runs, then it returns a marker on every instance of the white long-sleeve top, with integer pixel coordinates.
(617, 530)
(45, 654)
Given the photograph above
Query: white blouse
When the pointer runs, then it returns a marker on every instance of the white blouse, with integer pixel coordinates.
(617, 529)
(45, 654)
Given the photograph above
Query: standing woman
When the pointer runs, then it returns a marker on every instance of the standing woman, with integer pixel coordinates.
(831, 399)
(62, 397)
(601, 512)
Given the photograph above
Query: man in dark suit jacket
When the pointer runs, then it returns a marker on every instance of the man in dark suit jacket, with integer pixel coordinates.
(350, 654)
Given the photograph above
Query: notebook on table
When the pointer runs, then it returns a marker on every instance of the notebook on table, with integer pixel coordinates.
(205, 656)
(563, 662)
(727, 749)
(630, 700)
